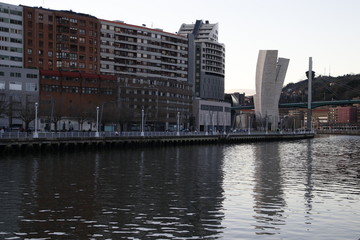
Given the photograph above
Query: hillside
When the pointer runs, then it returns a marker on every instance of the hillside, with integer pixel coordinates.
(324, 89)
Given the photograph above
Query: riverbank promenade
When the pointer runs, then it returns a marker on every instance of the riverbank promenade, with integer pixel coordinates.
(22, 142)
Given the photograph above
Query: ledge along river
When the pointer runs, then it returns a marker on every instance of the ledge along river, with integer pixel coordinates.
(304, 189)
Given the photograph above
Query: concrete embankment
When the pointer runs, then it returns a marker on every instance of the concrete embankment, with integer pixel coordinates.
(49, 145)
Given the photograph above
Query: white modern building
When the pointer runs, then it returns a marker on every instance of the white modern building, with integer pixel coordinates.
(270, 76)
(213, 116)
(11, 35)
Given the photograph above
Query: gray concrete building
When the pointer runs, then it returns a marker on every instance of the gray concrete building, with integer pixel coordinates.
(208, 59)
(11, 35)
(19, 90)
(270, 76)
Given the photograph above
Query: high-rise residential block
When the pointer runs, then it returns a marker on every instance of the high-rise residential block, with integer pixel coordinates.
(61, 40)
(152, 70)
(11, 35)
(207, 64)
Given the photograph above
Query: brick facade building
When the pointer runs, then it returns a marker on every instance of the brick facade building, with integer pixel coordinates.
(60, 40)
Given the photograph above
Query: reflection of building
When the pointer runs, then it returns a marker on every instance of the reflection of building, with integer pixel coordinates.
(270, 76)
(269, 201)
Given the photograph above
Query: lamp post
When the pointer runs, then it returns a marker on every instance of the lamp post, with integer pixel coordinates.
(224, 123)
(294, 124)
(36, 135)
(142, 122)
(178, 124)
(266, 125)
(249, 125)
(206, 124)
(97, 122)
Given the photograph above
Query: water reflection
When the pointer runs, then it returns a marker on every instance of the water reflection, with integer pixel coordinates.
(273, 190)
(150, 193)
(268, 191)
(308, 193)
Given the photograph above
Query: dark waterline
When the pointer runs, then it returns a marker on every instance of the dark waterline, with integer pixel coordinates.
(271, 190)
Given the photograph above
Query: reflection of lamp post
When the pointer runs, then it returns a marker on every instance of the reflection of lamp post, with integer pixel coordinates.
(142, 122)
(97, 122)
(36, 135)
(178, 124)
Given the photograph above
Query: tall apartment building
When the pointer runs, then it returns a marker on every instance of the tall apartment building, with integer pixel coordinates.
(11, 35)
(152, 70)
(61, 40)
(207, 73)
(208, 65)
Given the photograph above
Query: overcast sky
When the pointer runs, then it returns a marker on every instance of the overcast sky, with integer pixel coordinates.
(326, 30)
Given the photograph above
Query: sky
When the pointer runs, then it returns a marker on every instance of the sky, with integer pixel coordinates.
(326, 30)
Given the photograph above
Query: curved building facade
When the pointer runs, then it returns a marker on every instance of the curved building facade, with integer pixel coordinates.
(207, 71)
(270, 76)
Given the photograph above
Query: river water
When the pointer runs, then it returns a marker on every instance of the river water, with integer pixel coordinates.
(307, 189)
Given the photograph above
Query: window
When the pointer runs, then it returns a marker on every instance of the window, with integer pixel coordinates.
(29, 51)
(15, 74)
(41, 16)
(2, 85)
(31, 87)
(15, 86)
(29, 75)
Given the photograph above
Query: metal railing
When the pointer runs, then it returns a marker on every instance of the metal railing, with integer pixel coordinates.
(82, 134)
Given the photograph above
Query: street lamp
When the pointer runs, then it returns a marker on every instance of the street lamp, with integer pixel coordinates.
(142, 122)
(206, 124)
(36, 135)
(97, 122)
(224, 128)
(178, 124)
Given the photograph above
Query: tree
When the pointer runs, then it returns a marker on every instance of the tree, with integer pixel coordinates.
(3, 106)
(27, 111)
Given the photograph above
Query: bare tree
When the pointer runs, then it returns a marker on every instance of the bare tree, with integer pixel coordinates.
(26, 112)
(3, 106)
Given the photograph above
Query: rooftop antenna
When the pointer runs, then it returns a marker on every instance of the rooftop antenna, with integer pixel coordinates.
(329, 70)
